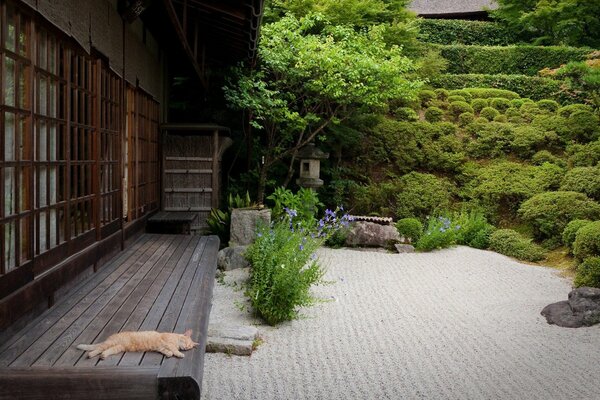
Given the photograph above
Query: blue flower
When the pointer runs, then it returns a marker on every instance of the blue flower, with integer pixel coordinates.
(259, 234)
(301, 247)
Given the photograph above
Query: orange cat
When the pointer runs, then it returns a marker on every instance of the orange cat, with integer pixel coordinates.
(168, 344)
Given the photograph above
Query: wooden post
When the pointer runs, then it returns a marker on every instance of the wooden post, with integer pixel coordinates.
(215, 170)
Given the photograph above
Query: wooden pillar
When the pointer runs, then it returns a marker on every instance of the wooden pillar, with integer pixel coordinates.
(215, 170)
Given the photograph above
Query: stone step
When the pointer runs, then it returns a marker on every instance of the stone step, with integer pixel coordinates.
(231, 339)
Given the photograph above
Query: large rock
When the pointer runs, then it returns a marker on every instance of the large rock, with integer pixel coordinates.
(232, 258)
(244, 223)
(370, 234)
(582, 309)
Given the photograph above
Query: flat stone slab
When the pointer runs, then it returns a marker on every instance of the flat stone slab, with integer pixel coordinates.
(404, 248)
(230, 339)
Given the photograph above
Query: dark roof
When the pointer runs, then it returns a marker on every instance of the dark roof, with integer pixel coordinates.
(452, 7)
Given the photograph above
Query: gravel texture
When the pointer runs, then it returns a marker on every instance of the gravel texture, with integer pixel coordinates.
(452, 324)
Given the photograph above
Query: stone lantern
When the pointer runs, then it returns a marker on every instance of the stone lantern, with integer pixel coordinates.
(310, 166)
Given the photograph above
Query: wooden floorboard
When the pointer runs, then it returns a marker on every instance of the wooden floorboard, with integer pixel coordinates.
(161, 282)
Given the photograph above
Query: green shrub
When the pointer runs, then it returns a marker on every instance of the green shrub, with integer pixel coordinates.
(283, 270)
(426, 97)
(462, 92)
(305, 203)
(473, 229)
(531, 86)
(548, 105)
(549, 213)
(570, 233)
(566, 111)
(500, 104)
(442, 94)
(492, 139)
(481, 120)
(455, 97)
(528, 139)
(544, 156)
(500, 118)
(584, 180)
(512, 244)
(587, 241)
(479, 104)
(588, 273)
(517, 103)
(585, 126)
(584, 155)
(450, 31)
(489, 113)
(439, 234)
(465, 118)
(410, 228)
(434, 114)
(512, 112)
(459, 107)
(530, 110)
(406, 114)
(419, 195)
(518, 60)
(488, 93)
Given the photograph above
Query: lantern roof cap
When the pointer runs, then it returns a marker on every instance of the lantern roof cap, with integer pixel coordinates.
(310, 151)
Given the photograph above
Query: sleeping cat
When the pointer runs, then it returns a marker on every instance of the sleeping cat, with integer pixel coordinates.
(168, 344)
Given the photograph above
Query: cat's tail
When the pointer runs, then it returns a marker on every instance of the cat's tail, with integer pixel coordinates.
(87, 347)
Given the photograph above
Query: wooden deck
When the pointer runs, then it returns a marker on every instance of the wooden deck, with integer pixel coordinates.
(161, 282)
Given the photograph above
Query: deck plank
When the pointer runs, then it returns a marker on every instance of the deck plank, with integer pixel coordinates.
(66, 312)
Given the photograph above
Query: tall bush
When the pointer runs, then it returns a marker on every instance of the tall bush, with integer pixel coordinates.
(419, 195)
(587, 241)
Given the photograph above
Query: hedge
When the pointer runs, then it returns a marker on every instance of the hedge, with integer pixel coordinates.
(449, 31)
(533, 87)
(526, 60)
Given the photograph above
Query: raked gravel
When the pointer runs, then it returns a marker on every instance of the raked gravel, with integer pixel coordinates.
(452, 324)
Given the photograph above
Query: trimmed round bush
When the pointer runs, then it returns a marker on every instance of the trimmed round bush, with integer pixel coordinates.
(584, 180)
(489, 113)
(544, 156)
(584, 155)
(462, 92)
(566, 111)
(516, 103)
(426, 96)
(585, 126)
(479, 104)
(512, 112)
(529, 139)
(588, 273)
(459, 107)
(465, 118)
(500, 104)
(453, 98)
(512, 244)
(550, 212)
(529, 111)
(434, 114)
(548, 105)
(487, 93)
(419, 195)
(410, 228)
(570, 233)
(500, 118)
(587, 241)
(442, 94)
(406, 114)
(481, 120)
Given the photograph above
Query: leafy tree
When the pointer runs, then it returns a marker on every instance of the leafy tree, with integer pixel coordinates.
(312, 75)
(568, 22)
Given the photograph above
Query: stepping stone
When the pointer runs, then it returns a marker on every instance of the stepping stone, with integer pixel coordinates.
(229, 339)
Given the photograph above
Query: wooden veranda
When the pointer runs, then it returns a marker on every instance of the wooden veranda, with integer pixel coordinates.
(160, 282)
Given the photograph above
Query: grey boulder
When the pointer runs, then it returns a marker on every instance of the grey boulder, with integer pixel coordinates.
(232, 258)
(582, 309)
(370, 234)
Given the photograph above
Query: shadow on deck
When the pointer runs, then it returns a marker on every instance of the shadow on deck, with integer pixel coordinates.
(161, 282)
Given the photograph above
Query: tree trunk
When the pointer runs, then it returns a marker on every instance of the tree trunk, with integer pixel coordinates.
(262, 183)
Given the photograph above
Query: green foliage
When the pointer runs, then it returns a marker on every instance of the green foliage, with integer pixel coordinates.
(584, 155)
(406, 114)
(500, 118)
(566, 111)
(502, 186)
(512, 244)
(488, 93)
(570, 233)
(455, 97)
(507, 60)
(472, 229)
(548, 105)
(305, 204)
(419, 195)
(549, 213)
(588, 273)
(219, 221)
(466, 118)
(587, 241)
(585, 126)
(426, 97)
(574, 23)
(442, 94)
(439, 234)
(492, 139)
(583, 77)
(489, 113)
(537, 88)
(434, 114)
(529, 139)
(283, 270)
(584, 180)
(451, 31)
(479, 104)
(410, 228)
(544, 156)
(459, 107)
(500, 104)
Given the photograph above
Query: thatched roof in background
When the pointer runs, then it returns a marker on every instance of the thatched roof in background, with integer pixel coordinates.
(451, 7)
